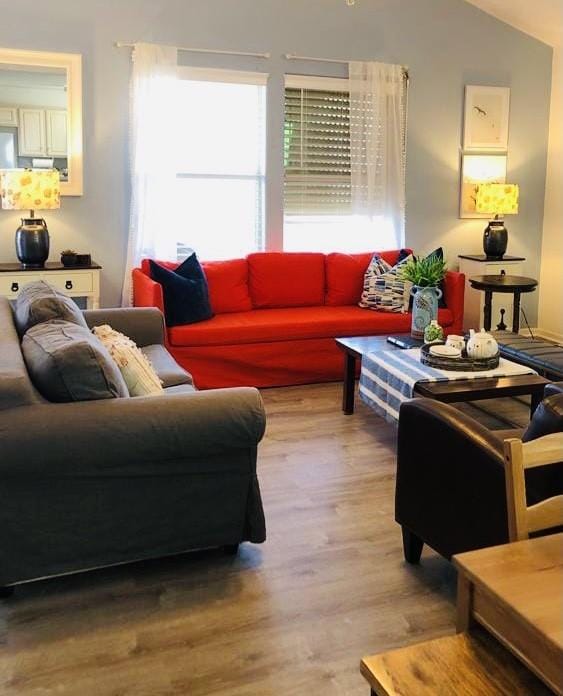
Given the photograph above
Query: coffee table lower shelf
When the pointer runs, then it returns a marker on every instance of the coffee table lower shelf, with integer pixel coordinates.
(354, 347)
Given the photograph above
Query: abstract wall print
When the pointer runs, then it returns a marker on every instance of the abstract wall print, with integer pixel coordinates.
(479, 169)
(486, 118)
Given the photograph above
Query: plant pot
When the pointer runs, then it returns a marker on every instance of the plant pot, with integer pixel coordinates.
(424, 309)
(69, 259)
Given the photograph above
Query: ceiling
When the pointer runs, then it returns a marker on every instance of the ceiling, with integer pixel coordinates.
(542, 19)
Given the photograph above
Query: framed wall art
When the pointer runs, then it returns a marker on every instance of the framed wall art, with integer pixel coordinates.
(486, 118)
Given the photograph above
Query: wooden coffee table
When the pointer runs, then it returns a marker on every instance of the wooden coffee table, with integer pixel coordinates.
(354, 347)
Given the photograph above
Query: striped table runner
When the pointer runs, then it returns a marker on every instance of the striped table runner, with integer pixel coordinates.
(388, 378)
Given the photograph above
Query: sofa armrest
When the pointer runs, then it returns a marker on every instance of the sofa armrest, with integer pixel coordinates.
(553, 389)
(144, 325)
(454, 297)
(450, 489)
(116, 436)
(146, 292)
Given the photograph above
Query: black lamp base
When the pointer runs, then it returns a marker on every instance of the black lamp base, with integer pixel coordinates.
(32, 243)
(495, 240)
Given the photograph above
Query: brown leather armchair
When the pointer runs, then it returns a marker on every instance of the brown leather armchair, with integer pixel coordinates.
(450, 490)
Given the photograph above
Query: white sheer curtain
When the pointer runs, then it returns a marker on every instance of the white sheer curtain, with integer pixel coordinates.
(378, 108)
(152, 157)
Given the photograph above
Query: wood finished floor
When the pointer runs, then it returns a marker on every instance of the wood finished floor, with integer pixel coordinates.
(292, 616)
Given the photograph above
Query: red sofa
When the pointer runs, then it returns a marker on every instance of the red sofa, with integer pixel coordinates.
(277, 314)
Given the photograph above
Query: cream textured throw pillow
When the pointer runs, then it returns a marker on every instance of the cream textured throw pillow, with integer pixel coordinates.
(138, 373)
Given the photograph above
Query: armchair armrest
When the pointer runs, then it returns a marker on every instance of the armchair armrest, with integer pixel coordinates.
(450, 490)
(144, 325)
(123, 436)
(146, 292)
(552, 389)
(454, 297)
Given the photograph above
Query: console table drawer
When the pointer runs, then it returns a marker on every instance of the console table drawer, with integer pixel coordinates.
(76, 281)
(11, 285)
(71, 282)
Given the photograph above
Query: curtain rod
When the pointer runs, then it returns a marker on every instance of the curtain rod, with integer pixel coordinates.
(125, 44)
(293, 56)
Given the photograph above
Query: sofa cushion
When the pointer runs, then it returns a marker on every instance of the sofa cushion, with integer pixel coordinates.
(16, 388)
(186, 297)
(181, 389)
(283, 279)
(228, 285)
(68, 363)
(267, 325)
(40, 301)
(345, 274)
(166, 367)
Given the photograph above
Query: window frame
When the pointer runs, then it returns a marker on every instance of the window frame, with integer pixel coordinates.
(241, 77)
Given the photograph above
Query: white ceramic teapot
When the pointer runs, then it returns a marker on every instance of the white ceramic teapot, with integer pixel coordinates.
(481, 345)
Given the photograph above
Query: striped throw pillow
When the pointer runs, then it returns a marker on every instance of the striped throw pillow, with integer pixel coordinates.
(384, 289)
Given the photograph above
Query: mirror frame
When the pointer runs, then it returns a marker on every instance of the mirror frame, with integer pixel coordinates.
(72, 64)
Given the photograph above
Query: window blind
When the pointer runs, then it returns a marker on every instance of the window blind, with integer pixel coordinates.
(317, 152)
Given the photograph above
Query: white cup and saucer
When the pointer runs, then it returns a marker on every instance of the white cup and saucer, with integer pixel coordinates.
(456, 342)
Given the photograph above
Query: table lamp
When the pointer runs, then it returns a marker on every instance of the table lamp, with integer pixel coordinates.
(31, 189)
(497, 200)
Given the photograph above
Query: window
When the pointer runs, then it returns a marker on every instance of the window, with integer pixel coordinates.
(317, 187)
(220, 180)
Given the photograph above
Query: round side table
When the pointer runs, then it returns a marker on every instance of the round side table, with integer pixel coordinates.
(515, 285)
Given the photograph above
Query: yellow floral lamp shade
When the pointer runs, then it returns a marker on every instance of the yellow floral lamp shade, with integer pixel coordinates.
(497, 199)
(30, 189)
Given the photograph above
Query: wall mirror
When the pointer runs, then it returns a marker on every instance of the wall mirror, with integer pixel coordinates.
(41, 114)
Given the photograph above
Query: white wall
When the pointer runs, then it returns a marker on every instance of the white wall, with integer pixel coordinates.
(550, 315)
(446, 44)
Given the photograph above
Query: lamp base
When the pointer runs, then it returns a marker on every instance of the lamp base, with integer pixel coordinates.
(495, 240)
(32, 243)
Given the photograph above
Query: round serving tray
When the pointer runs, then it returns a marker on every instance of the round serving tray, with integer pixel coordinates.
(463, 364)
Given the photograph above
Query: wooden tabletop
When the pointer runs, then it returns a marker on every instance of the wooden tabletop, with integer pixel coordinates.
(481, 387)
(49, 266)
(518, 595)
(473, 664)
(503, 283)
(362, 345)
(483, 258)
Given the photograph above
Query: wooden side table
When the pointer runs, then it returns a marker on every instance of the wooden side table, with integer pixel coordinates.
(74, 281)
(515, 285)
(478, 264)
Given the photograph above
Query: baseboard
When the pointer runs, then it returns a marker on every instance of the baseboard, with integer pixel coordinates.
(542, 333)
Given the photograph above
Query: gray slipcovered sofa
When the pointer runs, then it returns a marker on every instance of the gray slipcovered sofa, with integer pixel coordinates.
(95, 483)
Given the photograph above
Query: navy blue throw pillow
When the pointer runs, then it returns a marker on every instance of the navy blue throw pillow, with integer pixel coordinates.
(186, 296)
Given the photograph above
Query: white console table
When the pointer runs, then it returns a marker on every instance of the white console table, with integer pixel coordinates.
(74, 281)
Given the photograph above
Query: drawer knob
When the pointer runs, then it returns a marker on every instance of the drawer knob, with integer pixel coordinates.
(15, 287)
(68, 285)
(502, 272)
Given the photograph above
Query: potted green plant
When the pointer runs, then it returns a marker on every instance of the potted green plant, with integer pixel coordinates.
(425, 274)
(69, 257)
